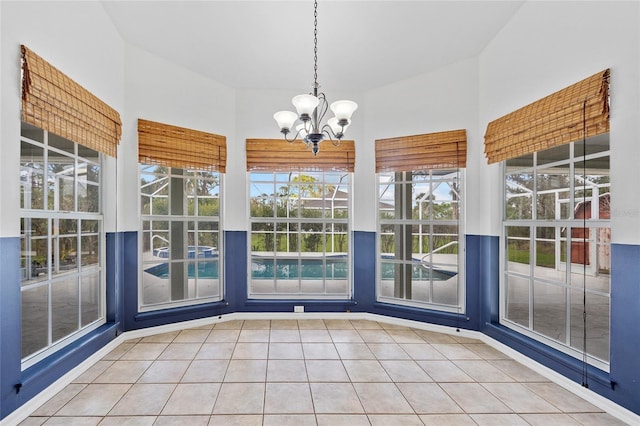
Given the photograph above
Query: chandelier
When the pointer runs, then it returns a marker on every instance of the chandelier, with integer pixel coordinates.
(311, 109)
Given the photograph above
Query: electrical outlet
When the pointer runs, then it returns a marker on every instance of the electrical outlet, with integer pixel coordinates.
(298, 308)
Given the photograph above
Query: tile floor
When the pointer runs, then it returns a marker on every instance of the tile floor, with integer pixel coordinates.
(312, 372)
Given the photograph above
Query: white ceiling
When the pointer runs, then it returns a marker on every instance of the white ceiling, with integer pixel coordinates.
(269, 44)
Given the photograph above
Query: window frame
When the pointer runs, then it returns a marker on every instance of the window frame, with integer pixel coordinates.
(574, 161)
(460, 306)
(52, 217)
(187, 219)
(297, 221)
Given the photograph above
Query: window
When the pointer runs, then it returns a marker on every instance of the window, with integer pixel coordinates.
(62, 254)
(299, 238)
(419, 244)
(180, 211)
(557, 238)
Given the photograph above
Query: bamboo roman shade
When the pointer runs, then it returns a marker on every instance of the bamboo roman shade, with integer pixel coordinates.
(440, 150)
(280, 155)
(551, 121)
(173, 146)
(55, 103)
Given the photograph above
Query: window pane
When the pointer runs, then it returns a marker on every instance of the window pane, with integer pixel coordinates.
(154, 193)
(598, 323)
(61, 182)
(519, 193)
(31, 176)
(553, 187)
(62, 144)
(64, 304)
(31, 132)
(65, 246)
(35, 319)
(90, 305)
(518, 244)
(517, 303)
(34, 249)
(550, 310)
(546, 246)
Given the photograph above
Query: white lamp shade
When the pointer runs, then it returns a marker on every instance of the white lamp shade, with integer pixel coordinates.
(285, 119)
(305, 104)
(344, 109)
(335, 127)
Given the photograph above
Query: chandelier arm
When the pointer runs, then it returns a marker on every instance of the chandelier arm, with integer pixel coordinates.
(333, 137)
(294, 138)
(323, 108)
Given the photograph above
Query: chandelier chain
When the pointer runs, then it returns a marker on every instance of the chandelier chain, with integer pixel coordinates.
(315, 44)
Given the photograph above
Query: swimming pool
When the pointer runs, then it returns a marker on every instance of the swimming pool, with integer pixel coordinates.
(334, 267)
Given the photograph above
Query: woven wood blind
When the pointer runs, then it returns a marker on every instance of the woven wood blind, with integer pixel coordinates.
(173, 146)
(280, 155)
(551, 121)
(440, 150)
(54, 102)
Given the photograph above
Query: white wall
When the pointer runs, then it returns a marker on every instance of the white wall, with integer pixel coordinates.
(77, 38)
(442, 100)
(158, 90)
(550, 45)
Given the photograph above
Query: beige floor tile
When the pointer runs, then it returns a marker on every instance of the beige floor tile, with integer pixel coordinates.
(365, 371)
(251, 351)
(354, 351)
(596, 419)
(145, 351)
(447, 420)
(287, 398)
(319, 351)
(562, 398)
(473, 398)
(215, 351)
(311, 324)
(192, 398)
(206, 370)
(256, 325)
(388, 351)
(119, 351)
(326, 371)
(229, 325)
(520, 398)
(73, 421)
(485, 351)
(285, 351)
(498, 420)
(33, 421)
(405, 336)
(389, 326)
(161, 338)
(382, 398)
(249, 370)
(482, 371)
(444, 371)
(315, 336)
(54, 404)
(123, 372)
(338, 324)
(433, 337)
(182, 420)
(286, 371)
(253, 336)
(366, 325)
(463, 339)
(284, 325)
(223, 336)
(128, 421)
(143, 399)
(286, 335)
(164, 372)
(395, 420)
(289, 420)
(180, 351)
(240, 398)
(550, 419)
(93, 372)
(455, 351)
(405, 371)
(345, 336)
(342, 420)
(518, 371)
(94, 400)
(375, 336)
(428, 398)
(236, 420)
(335, 398)
(422, 351)
(192, 336)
